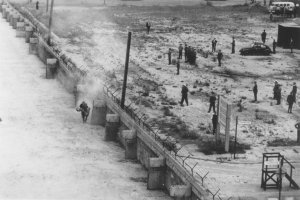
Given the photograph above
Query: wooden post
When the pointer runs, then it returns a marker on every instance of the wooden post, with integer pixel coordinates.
(227, 128)
(218, 124)
(235, 138)
(50, 22)
(126, 71)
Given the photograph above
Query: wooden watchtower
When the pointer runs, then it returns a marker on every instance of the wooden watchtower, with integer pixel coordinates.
(273, 169)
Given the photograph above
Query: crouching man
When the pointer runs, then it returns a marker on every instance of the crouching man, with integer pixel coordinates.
(85, 111)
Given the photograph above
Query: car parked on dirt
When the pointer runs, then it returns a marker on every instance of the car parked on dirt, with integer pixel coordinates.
(256, 49)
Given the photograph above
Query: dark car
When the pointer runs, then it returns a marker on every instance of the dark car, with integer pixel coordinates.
(256, 49)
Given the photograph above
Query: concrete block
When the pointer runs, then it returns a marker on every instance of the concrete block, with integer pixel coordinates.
(157, 162)
(33, 42)
(156, 177)
(16, 18)
(28, 33)
(99, 113)
(112, 118)
(112, 127)
(20, 29)
(51, 68)
(180, 191)
(129, 140)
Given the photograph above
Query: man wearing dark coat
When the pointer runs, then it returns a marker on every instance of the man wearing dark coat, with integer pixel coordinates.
(255, 90)
(264, 36)
(212, 102)
(184, 95)
(290, 101)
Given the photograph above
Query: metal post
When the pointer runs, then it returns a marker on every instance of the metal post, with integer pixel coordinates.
(236, 124)
(50, 22)
(126, 71)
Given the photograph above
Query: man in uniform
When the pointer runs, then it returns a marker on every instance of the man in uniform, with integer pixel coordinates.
(170, 56)
(274, 46)
(148, 26)
(290, 100)
(215, 122)
(294, 91)
(263, 36)
(220, 56)
(212, 102)
(278, 95)
(292, 45)
(184, 95)
(85, 111)
(255, 90)
(233, 46)
(178, 66)
(180, 48)
(275, 89)
(185, 52)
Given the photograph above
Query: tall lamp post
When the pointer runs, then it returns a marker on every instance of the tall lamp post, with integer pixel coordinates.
(126, 71)
(50, 23)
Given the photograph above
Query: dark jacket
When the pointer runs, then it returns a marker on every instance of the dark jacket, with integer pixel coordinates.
(290, 99)
(184, 90)
(212, 99)
(255, 88)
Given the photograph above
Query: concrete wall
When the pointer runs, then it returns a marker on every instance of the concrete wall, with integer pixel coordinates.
(164, 172)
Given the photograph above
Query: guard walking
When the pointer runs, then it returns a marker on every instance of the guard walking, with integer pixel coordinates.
(220, 56)
(294, 91)
(264, 36)
(233, 46)
(184, 95)
(290, 101)
(255, 90)
(212, 102)
(180, 48)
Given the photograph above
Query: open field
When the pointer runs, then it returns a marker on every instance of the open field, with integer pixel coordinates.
(95, 37)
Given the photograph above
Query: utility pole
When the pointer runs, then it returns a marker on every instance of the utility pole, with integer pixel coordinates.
(126, 71)
(104, 3)
(47, 5)
(50, 22)
(235, 138)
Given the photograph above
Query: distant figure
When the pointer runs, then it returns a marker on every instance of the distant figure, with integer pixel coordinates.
(178, 66)
(265, 2)
(274, 46)
(264, 36)
(240, 105)
(215, 122)
(212, 102)
(294, 91)
(233, 46)
(85, 111)
(220, 56)
(185, 52)
(214, 44)
(275, 89)
(292, 45)
(180, 48)
(148, 26)
(184, 95)
(37, 5)
(290, 101)
(170, 56)
(255, 90)
(271, 16)
(278, 95)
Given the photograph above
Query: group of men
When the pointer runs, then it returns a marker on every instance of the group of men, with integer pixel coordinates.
(190, 54)
(263, 39)
(291, 99)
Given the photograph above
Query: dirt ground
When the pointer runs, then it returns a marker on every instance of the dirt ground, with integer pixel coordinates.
(95, 37)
